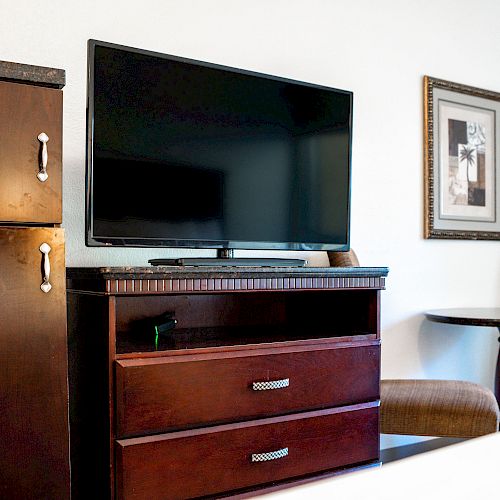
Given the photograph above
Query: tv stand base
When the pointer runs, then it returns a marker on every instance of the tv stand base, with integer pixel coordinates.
(229, 262)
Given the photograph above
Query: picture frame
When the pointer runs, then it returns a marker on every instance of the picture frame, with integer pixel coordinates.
(461, 161)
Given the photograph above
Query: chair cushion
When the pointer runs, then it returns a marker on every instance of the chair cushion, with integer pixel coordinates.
(447, 408)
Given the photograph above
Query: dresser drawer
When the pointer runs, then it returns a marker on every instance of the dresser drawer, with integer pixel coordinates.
(26, 111)
(199, 462)
(160, 394)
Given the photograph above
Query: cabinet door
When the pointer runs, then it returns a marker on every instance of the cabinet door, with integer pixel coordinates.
(26, 111)
(34, 455)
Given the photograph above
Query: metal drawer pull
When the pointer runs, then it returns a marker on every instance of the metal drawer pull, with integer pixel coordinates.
(45, 286)
(271, 385)
(271, 455)
(42, 174)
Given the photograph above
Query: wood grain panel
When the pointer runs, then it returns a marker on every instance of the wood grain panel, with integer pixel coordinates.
(34, 443)
(208, 461)
(90, 333)
(25, 111)
(158, 396)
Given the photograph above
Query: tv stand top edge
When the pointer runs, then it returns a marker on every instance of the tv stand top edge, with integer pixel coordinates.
(188, 272)
(157, 280)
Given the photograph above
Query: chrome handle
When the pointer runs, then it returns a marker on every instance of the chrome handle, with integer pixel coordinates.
(42, 174)
(270, 455)
(45, 286)
(271, 385)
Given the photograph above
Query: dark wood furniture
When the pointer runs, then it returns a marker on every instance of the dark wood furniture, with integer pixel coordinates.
(271, 376)
(34, 440)
(471, 316)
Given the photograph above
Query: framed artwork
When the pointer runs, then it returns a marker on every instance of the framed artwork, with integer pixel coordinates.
(462, 158)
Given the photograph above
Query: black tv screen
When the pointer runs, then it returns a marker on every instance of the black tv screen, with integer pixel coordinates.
(191, 154)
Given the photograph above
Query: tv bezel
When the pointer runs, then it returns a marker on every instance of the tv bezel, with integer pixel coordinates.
(144, 242)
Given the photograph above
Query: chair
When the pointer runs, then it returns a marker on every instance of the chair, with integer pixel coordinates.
(441, 408)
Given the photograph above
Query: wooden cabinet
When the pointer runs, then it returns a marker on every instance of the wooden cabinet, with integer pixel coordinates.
(33, 360)
(270, 377)
(34, 434)
(26, 196)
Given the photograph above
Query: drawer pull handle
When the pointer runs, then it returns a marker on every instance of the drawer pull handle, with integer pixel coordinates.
(271, 455)
(45, 286)
(271, 385)
(42, 174)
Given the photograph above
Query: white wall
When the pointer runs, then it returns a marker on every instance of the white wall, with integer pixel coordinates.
(380, 50)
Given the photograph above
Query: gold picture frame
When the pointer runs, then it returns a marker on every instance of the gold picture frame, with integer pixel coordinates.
(461, 161)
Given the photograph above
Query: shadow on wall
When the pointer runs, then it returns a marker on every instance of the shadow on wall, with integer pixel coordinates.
(400, 348)
(418, 348)
(458, 352)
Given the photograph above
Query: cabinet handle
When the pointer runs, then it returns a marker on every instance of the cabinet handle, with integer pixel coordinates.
(45, 286)
(271, 385)
(42, 174)
(270, 455)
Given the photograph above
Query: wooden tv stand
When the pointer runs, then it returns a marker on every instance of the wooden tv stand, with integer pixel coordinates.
(270, 378)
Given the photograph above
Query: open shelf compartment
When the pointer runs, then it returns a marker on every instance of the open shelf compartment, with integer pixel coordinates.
(242, 319)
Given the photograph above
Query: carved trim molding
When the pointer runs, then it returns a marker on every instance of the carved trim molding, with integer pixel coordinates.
(203, 285)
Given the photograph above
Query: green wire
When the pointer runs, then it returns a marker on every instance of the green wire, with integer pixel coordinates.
(156, 337)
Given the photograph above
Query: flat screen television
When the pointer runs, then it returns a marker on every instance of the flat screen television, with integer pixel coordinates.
(183, 153)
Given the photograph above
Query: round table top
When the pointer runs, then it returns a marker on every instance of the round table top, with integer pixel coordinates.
(474, 316)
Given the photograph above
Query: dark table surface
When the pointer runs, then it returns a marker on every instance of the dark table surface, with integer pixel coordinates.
(474, 316)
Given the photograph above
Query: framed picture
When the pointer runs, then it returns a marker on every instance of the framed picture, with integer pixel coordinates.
(462, 158)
